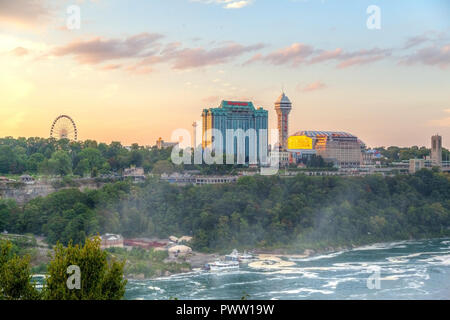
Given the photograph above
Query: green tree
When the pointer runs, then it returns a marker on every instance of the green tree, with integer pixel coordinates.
(100, 279)
(60, 163)
(15, 275)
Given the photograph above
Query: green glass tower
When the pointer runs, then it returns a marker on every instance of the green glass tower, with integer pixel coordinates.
(233, 119)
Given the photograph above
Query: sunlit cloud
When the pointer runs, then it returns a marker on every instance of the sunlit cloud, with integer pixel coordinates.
(443, 122)
(98, 50)
(199, 57)
(29, 14)
(19, 51)
(294, 55)
(300, 53)
(433, 56)
(314, 86)
(227, 4)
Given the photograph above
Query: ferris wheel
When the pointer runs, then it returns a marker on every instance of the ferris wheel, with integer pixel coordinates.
(63, 127)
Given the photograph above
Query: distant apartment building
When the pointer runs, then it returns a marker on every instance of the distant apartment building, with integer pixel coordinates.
(416, 164)
(371, 156)
(184, 179)
(161, 144)
(236, 117)
(135, 173)
(282, 157)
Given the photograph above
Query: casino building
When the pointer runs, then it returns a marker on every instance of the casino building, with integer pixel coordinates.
(341, 148)
(235, 115)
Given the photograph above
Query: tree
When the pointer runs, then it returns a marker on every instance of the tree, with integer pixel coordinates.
(15, 275)
(60, 163)
(94, 158)
(100, 279)
(163, 166)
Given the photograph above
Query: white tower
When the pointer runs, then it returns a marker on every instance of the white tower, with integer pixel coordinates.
(283, 107)
(194, 131)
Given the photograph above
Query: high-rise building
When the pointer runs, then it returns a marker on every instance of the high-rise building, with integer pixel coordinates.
(436, 150)
(283, 107)
(228, 118)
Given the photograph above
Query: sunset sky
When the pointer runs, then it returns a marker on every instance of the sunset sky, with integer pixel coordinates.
(138, 70)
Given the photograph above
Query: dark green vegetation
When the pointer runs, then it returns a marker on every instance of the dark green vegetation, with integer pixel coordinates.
(393, 154)
(148, 263)
(266, 212)
(101, 278)
(64, 157)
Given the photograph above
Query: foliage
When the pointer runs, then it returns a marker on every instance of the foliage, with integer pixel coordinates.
(393, 153)
(64, 157)
(300, 211)
(100, 279)
(15, 275)
(147, 262)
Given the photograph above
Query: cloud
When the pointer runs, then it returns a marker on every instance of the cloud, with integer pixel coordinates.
(111, 66)
(318, 85)
(98, 50)
(237, 4)
(24, 13)
(326, 55)
(199, 57)
(300, 53)
(228, 4)
(294, 55)
(19, 51)
(415, 41)
(144, 51)
(433, 56)
(362, 57)
(443, 122)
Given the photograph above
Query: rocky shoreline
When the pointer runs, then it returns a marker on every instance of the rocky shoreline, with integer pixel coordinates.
(198, 260)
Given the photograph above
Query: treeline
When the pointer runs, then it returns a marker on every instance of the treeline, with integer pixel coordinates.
(64, 157)
(393, 153)
(257, 211)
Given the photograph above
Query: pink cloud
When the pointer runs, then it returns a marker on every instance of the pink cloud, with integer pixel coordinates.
(24, 13)
(199, 57)
(326, 55)
(19, 51)
(318, 85)
(98, 50)
(299, 53)
(295, 54)
(433, 56)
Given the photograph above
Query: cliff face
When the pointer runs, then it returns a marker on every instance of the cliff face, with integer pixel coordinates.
(23, 193)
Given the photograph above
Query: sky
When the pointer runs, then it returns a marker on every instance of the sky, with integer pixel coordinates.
(134, 71)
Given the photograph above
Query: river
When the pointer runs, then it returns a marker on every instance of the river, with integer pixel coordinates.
(399, 270)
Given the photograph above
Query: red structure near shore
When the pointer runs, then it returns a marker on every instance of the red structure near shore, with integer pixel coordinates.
(143, 244)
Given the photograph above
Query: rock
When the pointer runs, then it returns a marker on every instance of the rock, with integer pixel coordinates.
(167, 273)
(308, 252)
(139, 276)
